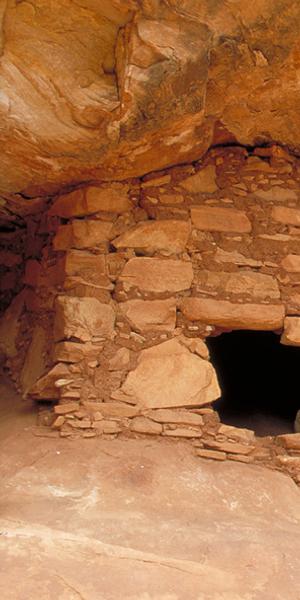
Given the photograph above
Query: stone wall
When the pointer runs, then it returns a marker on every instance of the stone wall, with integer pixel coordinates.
(135, 275)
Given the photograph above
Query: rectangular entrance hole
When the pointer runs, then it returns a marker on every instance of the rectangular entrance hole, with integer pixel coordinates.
(259, 379)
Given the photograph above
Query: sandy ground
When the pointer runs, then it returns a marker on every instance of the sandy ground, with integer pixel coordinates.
(139, 520)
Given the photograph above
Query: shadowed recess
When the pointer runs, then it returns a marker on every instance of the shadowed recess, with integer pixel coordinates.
(259, 381)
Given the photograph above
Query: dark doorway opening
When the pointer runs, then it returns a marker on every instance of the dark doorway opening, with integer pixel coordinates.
(259, 379)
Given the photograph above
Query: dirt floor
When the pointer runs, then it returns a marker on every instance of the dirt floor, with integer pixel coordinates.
(139, 520)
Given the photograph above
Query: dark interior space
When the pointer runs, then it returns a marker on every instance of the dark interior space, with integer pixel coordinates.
(259, 379)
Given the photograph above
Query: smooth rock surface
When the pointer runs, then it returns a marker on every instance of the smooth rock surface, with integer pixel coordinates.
(168, 375)
(173, 526)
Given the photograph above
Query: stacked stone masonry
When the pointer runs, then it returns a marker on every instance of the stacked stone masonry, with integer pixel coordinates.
(112, 315)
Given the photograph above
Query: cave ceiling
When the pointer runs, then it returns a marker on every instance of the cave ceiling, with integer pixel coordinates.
(102, 90)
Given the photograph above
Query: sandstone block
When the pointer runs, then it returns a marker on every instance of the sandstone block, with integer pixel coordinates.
(256, 285)
(144, 425)
(82, 318)
(82, 234)
(291, 332)
(291, 463)
(220, 219)
(182, 433)
(291, 441)
(158, 275)
(171, 198)
(90, 200)
(157, 181)
(231, 447)
(234, 316)
(235, 258)
(202, 182)
(107, 427)
(293, 304)
(214, 454)
(167, 376)
(80, 424)
(277, 194)
(45, 388)
(150, 315)
(238, 434)
(291, 263)
(111, 409)
(59, 421)
(182, 417)
(195, 345)
(285, 215)
(111, 198)
(64, 409)
(72, 352)
(241, 458)
(150, 236)
(89, 267)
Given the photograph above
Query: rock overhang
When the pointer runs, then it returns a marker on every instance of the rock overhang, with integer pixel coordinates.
(92, 92)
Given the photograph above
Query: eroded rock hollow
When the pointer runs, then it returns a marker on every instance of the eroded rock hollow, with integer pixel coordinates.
(112, 89)
(149, 200)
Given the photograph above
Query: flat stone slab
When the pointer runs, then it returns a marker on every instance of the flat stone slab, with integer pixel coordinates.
(220, 219)
(234, 315)
(149, 315)
(157, 275)
(170, 235)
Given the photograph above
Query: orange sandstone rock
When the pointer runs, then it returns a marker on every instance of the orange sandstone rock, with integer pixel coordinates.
(82, 318)
(157, 275)
(291, 332)
(220, 219)
(169, 235)
(234, 316)
(90, 200)
(291, 263)
(286, 215)
(82, 234)
(168, 375)
(150, 315)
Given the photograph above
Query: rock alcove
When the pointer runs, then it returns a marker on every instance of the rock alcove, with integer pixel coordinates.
(258, 377)
(119, 287)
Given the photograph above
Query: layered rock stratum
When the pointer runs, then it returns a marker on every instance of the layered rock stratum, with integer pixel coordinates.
(108, 90)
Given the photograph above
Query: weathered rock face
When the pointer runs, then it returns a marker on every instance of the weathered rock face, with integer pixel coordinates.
(107, 90)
